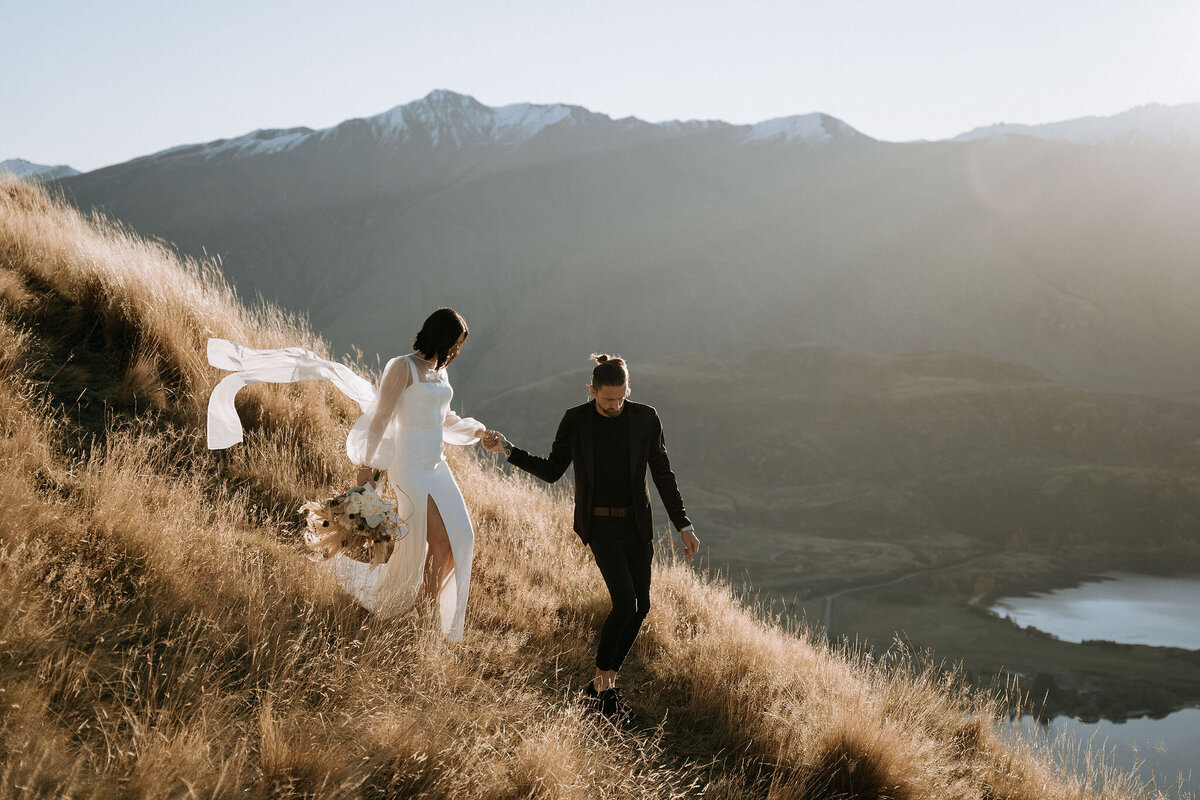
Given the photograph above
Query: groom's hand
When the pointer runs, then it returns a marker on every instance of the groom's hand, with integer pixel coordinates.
(493, 441)
(691, 545)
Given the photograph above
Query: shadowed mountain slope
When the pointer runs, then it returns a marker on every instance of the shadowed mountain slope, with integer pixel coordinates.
(161, 634)
(560, 231)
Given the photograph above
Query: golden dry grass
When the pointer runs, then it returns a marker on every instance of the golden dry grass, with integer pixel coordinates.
(162, 635)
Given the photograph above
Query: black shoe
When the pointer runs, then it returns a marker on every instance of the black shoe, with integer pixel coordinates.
(614, 707)
(592, 700)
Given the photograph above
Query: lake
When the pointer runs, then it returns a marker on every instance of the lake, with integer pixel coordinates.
(1168, 746)
(1130, 609)
(1122, 607)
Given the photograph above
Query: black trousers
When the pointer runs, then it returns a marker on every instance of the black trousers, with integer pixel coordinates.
(624, 558)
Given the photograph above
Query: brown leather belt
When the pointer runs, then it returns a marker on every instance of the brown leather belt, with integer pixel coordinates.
(603, 511)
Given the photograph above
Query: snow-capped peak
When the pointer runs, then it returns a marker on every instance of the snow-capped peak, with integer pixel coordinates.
(813, 129)
(442, 118)
(254, 143)
(455, 119)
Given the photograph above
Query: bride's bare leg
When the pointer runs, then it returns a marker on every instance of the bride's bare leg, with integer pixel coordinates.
(440, 559)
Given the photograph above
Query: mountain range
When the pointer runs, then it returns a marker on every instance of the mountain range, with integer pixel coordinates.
(462, 123)
(559, 231)
(1148, 124)
(20, 168)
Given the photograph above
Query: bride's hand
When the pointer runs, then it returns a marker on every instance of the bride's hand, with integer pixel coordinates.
(364, 475)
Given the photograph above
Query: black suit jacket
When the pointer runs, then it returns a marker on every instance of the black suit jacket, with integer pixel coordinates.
(573, 444)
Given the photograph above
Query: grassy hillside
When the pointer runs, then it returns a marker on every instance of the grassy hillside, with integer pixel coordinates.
(161, 635)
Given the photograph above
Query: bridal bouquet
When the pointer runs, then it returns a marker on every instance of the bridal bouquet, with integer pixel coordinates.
(357, 522)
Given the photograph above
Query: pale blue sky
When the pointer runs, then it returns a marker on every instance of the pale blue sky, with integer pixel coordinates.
(94, 83)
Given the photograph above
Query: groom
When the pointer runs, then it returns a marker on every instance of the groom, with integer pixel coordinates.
(611, 442)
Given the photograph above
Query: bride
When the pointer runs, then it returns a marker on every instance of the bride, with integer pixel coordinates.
(402, 430)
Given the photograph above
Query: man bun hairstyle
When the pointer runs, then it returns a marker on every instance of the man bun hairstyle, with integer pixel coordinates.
(439, 333)
(609, 371)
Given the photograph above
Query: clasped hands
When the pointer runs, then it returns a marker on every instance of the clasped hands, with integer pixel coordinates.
(493, 441)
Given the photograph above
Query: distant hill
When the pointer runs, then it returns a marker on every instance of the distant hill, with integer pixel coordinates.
(782, 452)
(558, 231)
(1145, 125)
(20, 168)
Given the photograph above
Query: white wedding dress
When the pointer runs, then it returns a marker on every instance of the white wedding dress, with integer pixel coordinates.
(402, 430)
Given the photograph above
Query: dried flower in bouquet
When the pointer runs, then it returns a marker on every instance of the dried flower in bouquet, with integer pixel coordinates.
(357, 523)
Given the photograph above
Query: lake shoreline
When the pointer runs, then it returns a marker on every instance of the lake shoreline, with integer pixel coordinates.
(1117, 607)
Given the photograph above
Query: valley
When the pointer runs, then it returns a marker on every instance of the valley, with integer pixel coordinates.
(912, 488)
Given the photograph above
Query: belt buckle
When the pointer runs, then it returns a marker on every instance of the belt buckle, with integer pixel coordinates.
(611, 511)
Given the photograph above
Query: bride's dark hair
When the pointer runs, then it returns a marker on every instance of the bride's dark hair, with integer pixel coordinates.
(439, 333)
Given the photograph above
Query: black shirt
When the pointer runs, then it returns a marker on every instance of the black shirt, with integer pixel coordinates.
(613, 485)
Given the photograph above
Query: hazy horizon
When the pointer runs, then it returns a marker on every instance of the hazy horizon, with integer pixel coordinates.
(160, 76)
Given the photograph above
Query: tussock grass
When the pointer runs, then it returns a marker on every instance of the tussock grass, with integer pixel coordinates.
(162, 635)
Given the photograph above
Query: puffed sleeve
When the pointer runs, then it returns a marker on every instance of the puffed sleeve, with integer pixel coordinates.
(460, 430)
(374, 439)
